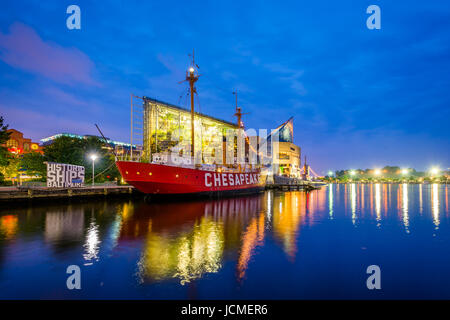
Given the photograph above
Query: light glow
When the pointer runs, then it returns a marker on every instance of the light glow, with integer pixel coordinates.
(378, 203)
(92, 244)
(405, 206)
(353, 202)
(435, 205)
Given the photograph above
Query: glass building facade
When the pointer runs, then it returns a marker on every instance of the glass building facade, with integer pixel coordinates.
(167, 129)
(288, 161)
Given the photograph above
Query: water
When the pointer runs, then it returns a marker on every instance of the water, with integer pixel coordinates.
(291, 245)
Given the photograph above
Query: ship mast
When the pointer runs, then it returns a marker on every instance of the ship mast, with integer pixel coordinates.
(240, 125)
(192, 77)
(238, 113)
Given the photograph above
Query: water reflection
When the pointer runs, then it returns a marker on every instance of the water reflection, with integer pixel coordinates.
(8, 226)
(353, 202)
(182, 242)
(253, 237)
(404, 188)
(446, 200)
(330, 200)
(435, 204)
(420, 199)
(269, 196)
(186, 256)
(385, 198)
(286, 223)
(92, 243)
(378, 203)
(65, 225)
(362, 196)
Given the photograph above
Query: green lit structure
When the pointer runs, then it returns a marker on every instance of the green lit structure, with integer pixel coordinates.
(166, 126)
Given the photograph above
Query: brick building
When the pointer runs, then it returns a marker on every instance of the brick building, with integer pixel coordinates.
(17, 144)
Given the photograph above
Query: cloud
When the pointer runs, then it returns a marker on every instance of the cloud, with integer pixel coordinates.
(61, 96)
(31, 124)
(227, 75)
(165, 86)
(289, 75)
(22, 48)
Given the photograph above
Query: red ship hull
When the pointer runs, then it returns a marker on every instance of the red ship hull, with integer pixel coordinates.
(163, 179)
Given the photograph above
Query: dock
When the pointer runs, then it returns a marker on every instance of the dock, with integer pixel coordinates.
(24, 193)
(291, 184)
(30, 193)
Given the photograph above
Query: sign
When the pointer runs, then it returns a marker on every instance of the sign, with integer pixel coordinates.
(62, 175)
(230, 179)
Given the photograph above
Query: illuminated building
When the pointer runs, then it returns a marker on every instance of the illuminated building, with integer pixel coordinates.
(167, 125)
(288, 153)
(17, 144)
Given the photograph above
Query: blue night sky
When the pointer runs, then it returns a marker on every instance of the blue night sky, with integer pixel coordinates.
(360, 98)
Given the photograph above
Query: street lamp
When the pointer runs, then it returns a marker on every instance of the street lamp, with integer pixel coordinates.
(377, 172)
(434, 171)
(93, 157)
(352, 172)
(330, 173)
(404, 171)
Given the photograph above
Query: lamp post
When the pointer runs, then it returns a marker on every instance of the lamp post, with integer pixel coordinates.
(434, 171)
(93, 157)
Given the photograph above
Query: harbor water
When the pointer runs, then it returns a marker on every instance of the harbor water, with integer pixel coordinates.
(277, 245)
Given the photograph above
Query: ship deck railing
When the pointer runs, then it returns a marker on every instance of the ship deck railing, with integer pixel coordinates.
(205, 166)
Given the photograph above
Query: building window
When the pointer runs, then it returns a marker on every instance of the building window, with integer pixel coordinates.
(11, 143)
(26, 146)
(168, 129)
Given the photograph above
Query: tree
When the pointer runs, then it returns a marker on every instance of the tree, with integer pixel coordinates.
(77, 151)
(12, 169)
(4, 137)
(33, 164)
(65, 150)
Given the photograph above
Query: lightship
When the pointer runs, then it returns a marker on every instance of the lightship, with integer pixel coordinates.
(163, 178)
